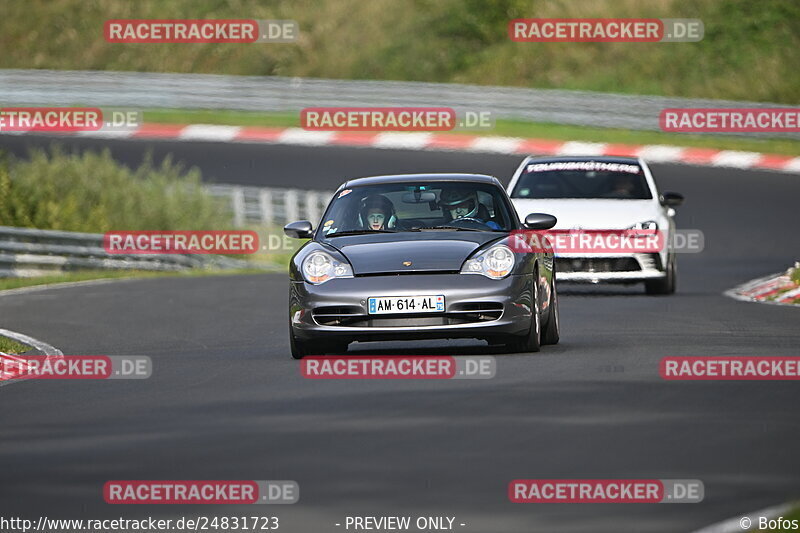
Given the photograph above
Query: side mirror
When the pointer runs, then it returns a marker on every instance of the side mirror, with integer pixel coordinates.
(302, 229)
(671, 199)
(540, 221)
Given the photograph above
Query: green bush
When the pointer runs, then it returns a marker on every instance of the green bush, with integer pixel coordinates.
(91, 192)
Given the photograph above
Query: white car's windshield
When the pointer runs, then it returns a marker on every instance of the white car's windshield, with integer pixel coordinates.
(419, 206)
(582, 179)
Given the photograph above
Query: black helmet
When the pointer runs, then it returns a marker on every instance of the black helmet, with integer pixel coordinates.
(450, 198)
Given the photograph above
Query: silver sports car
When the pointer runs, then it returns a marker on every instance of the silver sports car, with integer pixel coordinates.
(416, 257)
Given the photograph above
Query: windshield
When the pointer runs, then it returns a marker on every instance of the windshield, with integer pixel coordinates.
(419, 206)
(582, 179)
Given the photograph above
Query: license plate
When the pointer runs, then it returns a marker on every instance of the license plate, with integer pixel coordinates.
(406, 304)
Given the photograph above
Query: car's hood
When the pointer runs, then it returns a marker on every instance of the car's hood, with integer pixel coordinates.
(591, 214)
(426, 251)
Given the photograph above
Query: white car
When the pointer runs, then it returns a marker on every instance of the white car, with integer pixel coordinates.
(601, 193)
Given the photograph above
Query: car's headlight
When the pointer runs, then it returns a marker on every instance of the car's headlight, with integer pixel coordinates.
(319, 267)
(495, 262)
(646, 225)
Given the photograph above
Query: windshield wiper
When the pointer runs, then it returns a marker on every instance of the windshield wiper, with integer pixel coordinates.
(358, 232)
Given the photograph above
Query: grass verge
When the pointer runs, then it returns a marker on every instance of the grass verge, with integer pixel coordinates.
(795, 275)
(87, 275)
(502, 127)
(10, 346)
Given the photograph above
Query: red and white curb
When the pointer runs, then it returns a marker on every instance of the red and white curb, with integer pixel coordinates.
(46, 349)
(763, 290)
(5, 375)
(454, 142)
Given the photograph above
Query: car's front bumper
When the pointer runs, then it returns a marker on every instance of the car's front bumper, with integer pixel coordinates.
(475, 306)
(596, 268)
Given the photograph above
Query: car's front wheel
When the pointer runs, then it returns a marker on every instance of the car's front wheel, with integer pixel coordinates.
(531, 341)
(665, 285)
(301, 349)
(552, 333)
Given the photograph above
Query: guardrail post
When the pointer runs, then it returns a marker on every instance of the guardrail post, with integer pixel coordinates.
(291, 206)
(312, 209)
(265, 200)
(237, 202)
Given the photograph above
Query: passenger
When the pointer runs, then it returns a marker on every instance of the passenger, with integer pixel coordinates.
(377, 213)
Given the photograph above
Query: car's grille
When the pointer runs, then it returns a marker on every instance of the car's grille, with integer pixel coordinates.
(650, 261)
(478, 311)
(597, 264)
(353, 316)
(407, 273)
(338, 315)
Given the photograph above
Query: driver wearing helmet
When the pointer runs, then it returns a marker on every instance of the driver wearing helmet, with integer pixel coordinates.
(377, 213)
(463, 204)
(623, 186)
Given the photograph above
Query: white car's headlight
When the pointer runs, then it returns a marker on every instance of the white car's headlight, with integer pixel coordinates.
(646, 225)
(496, 262)
(319, 267)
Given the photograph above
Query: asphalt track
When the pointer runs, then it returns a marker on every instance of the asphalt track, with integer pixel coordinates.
(226, 401)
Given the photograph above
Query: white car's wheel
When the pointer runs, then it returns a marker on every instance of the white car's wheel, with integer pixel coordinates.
(665, 285)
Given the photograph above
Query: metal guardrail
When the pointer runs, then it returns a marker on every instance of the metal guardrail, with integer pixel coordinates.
(269, 207)
(28, 252)
(269, 93)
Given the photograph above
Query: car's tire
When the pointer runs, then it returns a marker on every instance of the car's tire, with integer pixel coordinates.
(302, 349)
(299, 349)
(552, 331)
(665, 285)
(531, 341)
(336, 346)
